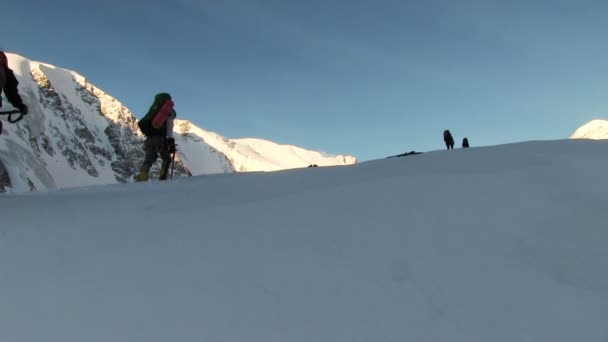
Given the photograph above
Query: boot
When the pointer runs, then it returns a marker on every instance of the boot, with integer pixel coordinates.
(164, 171)
(142, 177)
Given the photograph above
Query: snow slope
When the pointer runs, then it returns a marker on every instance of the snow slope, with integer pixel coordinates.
(595, 129)
(75, 134)
(504, 243)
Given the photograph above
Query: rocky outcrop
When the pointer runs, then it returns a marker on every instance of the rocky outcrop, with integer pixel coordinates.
(5, 181)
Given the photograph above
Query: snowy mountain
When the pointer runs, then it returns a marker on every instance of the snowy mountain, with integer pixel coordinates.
(501, 244)
(75, 134)
(595, 129)
(252, 154)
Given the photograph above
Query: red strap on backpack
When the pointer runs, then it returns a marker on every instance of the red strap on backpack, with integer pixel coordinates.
(163, 114)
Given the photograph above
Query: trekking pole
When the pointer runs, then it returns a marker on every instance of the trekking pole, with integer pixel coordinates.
(10, 114)
(173, 163)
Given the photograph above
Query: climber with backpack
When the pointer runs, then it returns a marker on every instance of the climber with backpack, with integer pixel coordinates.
(8, 85)
(157, 126)
(448, 139)
(465, 143)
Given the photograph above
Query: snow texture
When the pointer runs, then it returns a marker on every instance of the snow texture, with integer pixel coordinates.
(503, 243)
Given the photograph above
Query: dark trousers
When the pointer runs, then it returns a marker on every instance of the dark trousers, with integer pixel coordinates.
(154, 146)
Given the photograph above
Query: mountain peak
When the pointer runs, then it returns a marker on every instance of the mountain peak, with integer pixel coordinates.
(595, 129)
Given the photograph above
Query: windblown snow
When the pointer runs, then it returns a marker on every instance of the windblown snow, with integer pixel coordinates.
(502, 244)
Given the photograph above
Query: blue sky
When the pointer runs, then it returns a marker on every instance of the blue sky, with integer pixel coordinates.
(366, 78)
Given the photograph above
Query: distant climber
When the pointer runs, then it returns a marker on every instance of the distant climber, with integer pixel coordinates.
(313, 165)
(465, 143)
(8, 85)
(448, 139)
(157, 126)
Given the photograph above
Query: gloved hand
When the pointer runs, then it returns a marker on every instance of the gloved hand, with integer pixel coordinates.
(171, 145)
(23, 109)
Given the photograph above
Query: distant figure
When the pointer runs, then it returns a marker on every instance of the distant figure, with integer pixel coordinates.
(8, 85)
(465, 143)
(313, 165)
(449, 140)
(157, 126)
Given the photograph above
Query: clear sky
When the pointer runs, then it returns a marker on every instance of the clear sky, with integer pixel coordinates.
(368, 78)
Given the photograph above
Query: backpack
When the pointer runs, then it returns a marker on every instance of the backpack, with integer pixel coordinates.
(2, 77)
(447, 136)
(157, 115)
(3, 65)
